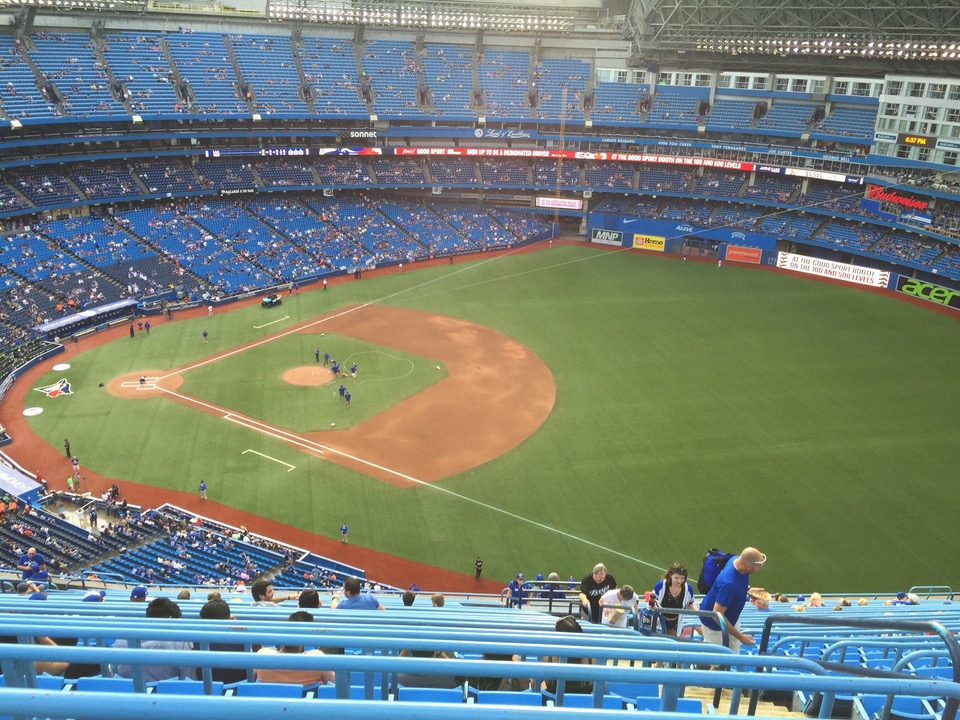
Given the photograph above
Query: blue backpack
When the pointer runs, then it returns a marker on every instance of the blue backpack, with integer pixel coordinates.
(713, 562)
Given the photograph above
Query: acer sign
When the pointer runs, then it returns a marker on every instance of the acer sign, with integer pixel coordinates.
(881, 194)
(929, 291)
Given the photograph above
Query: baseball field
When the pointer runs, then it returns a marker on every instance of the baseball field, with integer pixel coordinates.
(549, 410)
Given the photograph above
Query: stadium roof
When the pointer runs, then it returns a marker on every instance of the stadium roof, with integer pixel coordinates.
(882, 34)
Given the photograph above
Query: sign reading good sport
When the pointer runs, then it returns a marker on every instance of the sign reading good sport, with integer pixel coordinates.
(837, 271)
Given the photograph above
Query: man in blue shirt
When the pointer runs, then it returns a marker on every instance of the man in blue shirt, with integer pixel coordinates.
(728, 596)
(353, 599)
(518, 596)
(31, 562)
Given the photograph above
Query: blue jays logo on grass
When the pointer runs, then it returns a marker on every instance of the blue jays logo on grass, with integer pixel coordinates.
(60, 387)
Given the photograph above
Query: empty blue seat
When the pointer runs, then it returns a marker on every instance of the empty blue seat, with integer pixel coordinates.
(272, 690)
(431, 695)
(186, 687)
(105, 684)
(580, 700)
(504, 697)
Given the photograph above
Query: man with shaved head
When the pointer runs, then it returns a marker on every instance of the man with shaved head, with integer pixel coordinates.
(728, 596)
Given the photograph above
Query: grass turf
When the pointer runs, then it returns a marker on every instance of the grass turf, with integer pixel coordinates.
(695, 407)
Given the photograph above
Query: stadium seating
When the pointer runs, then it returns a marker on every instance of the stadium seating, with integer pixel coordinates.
(268, 69)
(448, 72)
(505, 79)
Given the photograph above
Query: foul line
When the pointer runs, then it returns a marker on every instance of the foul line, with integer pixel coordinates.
(291, 467)
(272, 322)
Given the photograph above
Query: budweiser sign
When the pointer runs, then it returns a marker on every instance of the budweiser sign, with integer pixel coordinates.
(876, 192)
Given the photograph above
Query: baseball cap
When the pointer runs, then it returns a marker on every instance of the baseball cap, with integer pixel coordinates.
(138, 593)
(34, 566)
(901, 595)
(94, 596)
(539, 576)
(801, 598)
(520, 576)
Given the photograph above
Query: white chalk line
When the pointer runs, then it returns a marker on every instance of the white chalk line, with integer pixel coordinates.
(281, 462)
(395, 473)
(272, 322)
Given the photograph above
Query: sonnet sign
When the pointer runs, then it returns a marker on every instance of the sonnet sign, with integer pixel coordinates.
(881, 194)
(834, 270)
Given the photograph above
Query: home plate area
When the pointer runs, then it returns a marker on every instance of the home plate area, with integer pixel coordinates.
(146, 382)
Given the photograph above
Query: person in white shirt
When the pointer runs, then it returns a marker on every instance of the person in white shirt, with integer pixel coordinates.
(615, 606)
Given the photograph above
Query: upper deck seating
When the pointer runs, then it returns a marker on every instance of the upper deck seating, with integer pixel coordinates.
(391, 71)
(560, 85)
(505, 78)
(331, 71)
(68, 60)
(848, 123)
(618, 103)
(138, 61)
(21, 97)
(448, 72)
(201, 59)
(266, 65)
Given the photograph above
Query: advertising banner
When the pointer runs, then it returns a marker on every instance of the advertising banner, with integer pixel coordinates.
(606, 237)
(929, 291)
(744, 254)
(834, 270)
(649, 242)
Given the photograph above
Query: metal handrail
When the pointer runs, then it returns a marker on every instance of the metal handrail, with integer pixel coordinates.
(918, 626)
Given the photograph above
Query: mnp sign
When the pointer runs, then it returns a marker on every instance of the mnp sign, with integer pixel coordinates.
(607, 237)
(649, 242)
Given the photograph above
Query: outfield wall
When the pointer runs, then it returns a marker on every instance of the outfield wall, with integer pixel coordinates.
(756, 249)
(669, 237)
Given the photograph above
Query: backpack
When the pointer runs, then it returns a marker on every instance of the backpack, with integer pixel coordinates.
(713, 562)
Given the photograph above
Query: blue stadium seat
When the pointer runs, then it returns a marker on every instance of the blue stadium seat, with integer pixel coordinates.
(185, 687)
(430, 695)
(105, 684)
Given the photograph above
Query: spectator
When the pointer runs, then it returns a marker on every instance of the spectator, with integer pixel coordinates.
(138, 594)
(728, 596)
(516, 592)
(673, 591)
(310, 599)
(40, 666)
(615, 605)
(437, 600)
(551, 588)
(500, 684)
(218, 609)
(592, 588)
(294, 676)
(569, 624)
(408, 597)
(354, 599)
(262, 592)
(158, 608)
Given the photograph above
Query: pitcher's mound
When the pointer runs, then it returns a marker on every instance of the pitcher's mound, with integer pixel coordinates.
(308, 375)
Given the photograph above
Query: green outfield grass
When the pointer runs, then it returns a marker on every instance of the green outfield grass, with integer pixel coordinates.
(695, 407)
